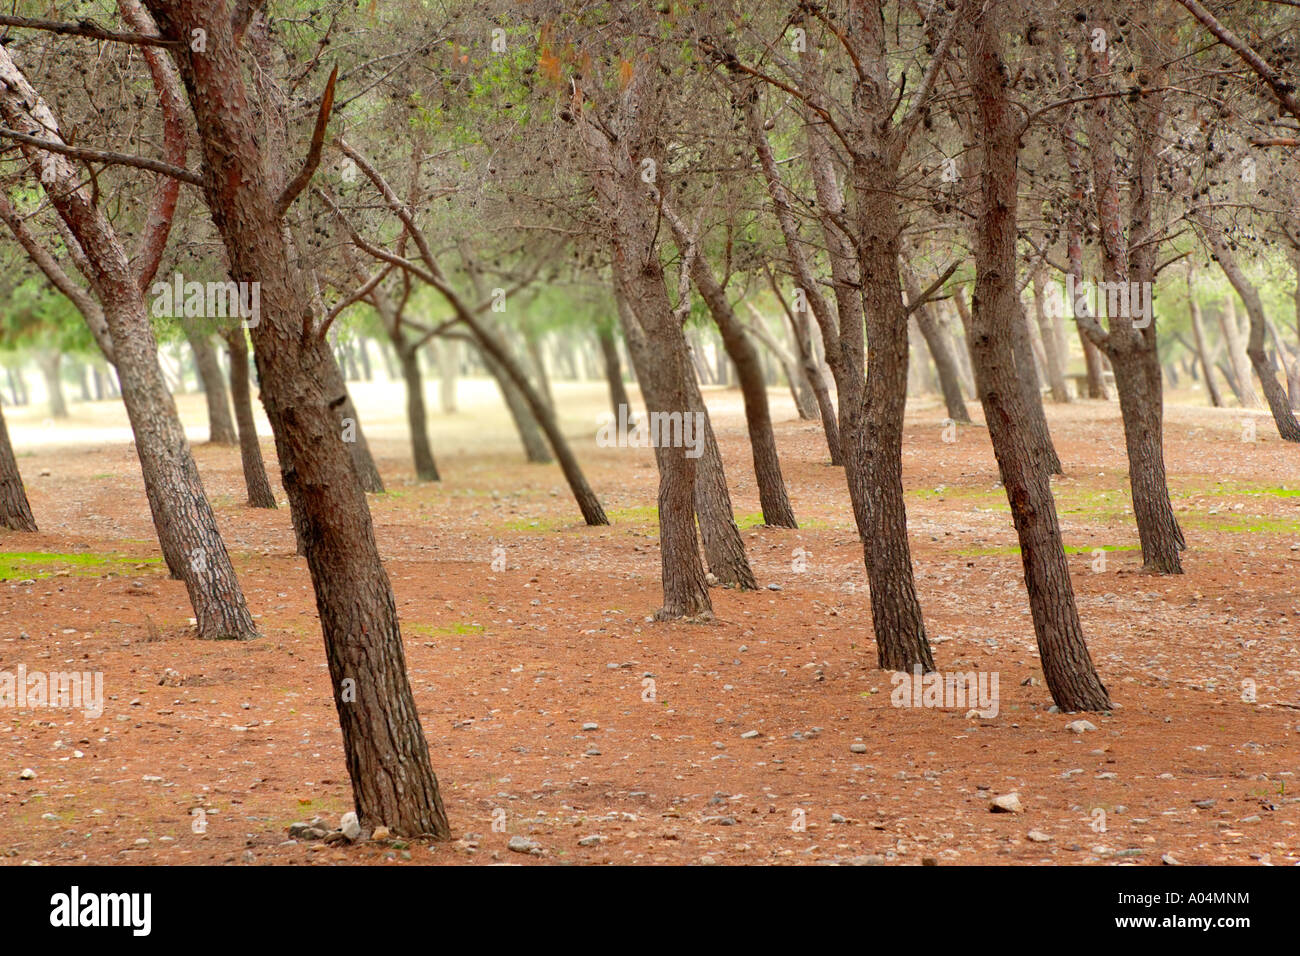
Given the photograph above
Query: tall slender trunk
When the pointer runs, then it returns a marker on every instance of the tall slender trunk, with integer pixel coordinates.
(1202, 349)
(256, 481)
(15, 512)
(530, 435)
(1283, 417)
(50, 362)
(801, 391)
(1052, 357)
(653, 329)
(448, 370)
(221, 426)
(936, 340)
(426, 469)
(618, 397)
(1067, 665)
(1241, 365)
(384, 745)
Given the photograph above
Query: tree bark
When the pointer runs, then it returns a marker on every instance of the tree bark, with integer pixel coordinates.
(384, 745)
(50, 362)
(1052, 357)
(530, 436)
(426, 469)
(221, 426)
(618, 397)
(256, 481)
(1067, 665)
(940, 351)
(1241, 365)
(1202, 348)
(1283, 417)
(15, 512)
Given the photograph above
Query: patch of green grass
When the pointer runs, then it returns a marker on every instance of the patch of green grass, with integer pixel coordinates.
(1234, 524)
(533, 524)
(17, 565)
(457, 629)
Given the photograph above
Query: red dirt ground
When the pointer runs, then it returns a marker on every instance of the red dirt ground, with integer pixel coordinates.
(507, 666)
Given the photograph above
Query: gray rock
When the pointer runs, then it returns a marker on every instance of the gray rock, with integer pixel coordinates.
(27, 774)
(520, 844)
(591, 725)
(1038, 836)
(838, 818)
(1080, 726)
(595, 840)
(749, 735)
(857, 748)
(350, 826)
(1168, 860)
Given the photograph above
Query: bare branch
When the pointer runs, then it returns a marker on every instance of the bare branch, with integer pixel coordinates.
(107, 157)
(87, 28)
(299, 182)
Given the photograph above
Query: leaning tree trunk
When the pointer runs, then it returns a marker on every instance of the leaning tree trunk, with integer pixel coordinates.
(1237, 353)
(774, 499)
(349, 426)
(384, 745)
(260, 494)
(1067, 665)
(186, 526)
(530, 436)
(1283, 417)
(1031, 396)
(940, 351)
(1202, 349)
(801, 391)
(618, 397)
(15, 512)
(426, 469)
(724, 548)
(221, 426)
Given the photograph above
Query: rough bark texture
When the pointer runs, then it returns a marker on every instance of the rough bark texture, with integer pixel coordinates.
(256, 481)
(1067, 665)
(530, 435)
(772, 494)
(187, 528)
(1283, 417)
(1128, 256)
(15, 512)
(221, 425)
(384, 745)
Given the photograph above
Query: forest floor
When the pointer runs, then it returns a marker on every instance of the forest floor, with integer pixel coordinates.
(1196, 764)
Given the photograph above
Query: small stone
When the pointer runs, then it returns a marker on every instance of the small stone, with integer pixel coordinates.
(871, 859)
(1007, 803)
(749, 735)
(1168, 860)
(1080, 726)
(1203, 804)
(27, 774)
(1038, 836)
(858, 748)
(520, 844)
(594, 840)
(591, 725)
(838, 818)
(380, 833)
(774, 587)
(349, 826)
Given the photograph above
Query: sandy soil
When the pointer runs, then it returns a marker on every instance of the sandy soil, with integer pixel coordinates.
(1197, 763)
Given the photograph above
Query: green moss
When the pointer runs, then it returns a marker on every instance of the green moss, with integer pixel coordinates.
(43, 564)
(457, 629)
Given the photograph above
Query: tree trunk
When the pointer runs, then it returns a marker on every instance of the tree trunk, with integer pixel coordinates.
(775, 501)
(15, 512)
(1241, 365)
(535, 448)
(654, 329)
(221, 426)
(618, 397)
(426, 469)
(1283, 417)
(50, 363)
(940, 351)
(448, 369)
(384, 745)
(801, 391)
(1202, 349)
(256, 481)
(1067, 665)
(1052, 357)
